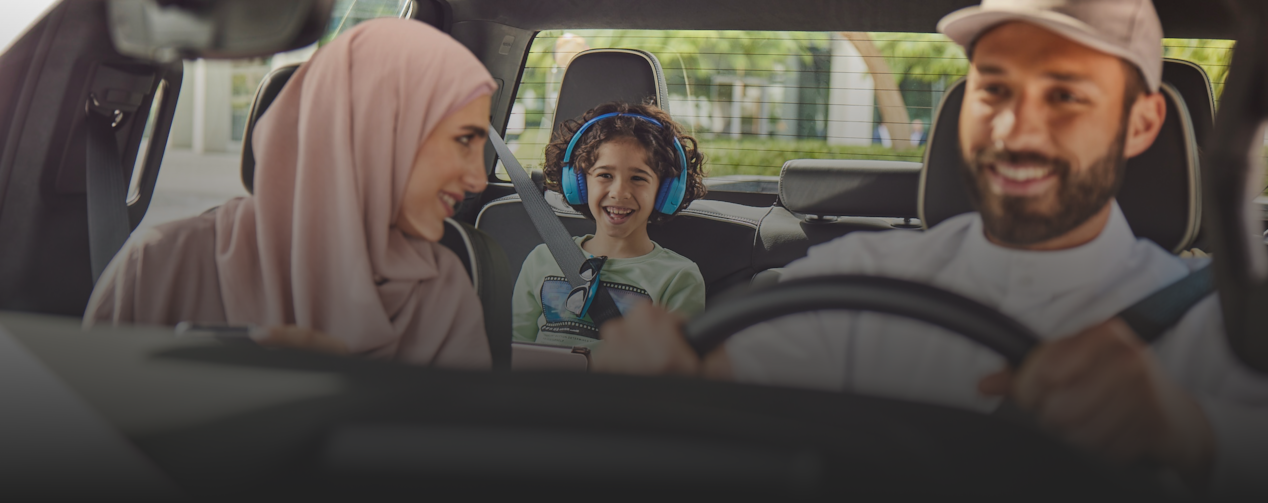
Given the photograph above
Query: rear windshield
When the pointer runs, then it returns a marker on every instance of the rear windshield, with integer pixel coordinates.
(756, 99)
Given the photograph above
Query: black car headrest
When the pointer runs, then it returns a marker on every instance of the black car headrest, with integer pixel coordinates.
(598, 76)
(829, 187)
(1191, 81)
(1160, 192)
(264, 96)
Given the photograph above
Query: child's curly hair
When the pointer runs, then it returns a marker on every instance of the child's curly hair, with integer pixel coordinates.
(663, 157)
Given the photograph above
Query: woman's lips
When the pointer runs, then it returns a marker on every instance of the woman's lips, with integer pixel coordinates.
(450, 201)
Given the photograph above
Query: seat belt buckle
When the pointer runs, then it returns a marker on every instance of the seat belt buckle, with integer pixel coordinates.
(581, 297)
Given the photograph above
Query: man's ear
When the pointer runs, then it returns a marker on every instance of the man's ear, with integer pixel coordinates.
(1147, 116)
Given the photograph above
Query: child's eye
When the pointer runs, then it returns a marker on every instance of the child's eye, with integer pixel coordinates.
(604, 175)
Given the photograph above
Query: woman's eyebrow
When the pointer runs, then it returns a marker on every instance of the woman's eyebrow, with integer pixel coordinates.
(476, 131)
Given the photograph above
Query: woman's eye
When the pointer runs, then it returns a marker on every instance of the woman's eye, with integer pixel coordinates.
(465, 139)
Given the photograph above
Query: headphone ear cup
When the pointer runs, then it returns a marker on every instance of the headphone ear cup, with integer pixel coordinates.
(583, 192)
(662, 196)
(568, 182)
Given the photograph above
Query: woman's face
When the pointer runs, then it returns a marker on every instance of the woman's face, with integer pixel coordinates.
(449, 163)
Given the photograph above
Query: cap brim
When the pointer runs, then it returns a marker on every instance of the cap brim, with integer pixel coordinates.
(964, 26)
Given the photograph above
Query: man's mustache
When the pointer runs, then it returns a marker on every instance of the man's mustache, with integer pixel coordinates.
(992, 155)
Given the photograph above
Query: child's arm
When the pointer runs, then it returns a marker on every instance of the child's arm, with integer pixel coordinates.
(526, 306)
(685, 293)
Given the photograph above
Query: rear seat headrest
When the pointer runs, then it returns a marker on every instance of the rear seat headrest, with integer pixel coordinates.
(264, 96)
(827, 187)
(599, 76)
(1159, 195)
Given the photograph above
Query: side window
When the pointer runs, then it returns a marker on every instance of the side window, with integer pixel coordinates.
(202, 165)
(756, 99)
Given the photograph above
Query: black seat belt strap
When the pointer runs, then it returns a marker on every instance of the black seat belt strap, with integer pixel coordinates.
(1158, 312)
(562, 247)
(108, 222)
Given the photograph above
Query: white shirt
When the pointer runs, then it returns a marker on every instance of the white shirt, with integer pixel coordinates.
(1055, 293)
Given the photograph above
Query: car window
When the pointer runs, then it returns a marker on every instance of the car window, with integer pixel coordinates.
(756, 99)
(202, 164)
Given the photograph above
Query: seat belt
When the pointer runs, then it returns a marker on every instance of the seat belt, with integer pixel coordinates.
(560, 243)
(108, 223)
(1155, 314)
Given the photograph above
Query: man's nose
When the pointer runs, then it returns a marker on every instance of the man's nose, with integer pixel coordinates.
(1022, 125)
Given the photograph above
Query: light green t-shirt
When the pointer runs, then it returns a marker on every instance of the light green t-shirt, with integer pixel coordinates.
(538, 313)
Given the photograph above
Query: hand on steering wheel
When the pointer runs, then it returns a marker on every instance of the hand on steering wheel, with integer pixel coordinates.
(1100, 390)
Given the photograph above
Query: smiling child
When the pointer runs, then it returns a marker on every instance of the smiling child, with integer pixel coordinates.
(624, 165)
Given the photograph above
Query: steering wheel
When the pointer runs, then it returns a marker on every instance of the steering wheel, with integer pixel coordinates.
(954, 312)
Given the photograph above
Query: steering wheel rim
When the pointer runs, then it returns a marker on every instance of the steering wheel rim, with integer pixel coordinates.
(961, 315)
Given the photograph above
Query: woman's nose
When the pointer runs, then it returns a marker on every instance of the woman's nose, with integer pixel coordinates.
(473, 178)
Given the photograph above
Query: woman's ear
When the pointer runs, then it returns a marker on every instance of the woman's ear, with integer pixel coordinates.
(1147, 117)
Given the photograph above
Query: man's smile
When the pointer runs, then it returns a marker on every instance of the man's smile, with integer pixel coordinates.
(1019, 179)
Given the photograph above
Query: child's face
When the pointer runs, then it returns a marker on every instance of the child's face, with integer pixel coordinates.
(622, 188)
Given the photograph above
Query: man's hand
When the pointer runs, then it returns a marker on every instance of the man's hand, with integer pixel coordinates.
(294, 337)
(646, 341)
(1102, 391)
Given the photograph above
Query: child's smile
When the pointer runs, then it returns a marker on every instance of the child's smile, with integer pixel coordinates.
(622, 191)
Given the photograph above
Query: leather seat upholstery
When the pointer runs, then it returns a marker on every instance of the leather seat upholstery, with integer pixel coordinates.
(1160, 195)
(481, 256)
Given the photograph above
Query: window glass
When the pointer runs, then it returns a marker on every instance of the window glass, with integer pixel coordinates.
(758, 99)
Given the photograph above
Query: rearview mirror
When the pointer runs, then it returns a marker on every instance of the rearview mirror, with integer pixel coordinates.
(167, 30)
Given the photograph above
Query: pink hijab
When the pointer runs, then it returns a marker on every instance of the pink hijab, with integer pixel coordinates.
(316, 245)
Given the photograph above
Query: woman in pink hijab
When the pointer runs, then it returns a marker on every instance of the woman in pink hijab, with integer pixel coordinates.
(360, 159)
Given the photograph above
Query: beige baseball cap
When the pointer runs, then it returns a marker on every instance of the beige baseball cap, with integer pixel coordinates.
(1129, 29)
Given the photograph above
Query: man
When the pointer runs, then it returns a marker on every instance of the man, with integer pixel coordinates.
(1059, 94)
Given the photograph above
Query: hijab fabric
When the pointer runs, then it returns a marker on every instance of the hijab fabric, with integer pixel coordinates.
(316, 245)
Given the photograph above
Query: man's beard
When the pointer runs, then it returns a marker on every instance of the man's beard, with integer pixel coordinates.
(1014, 220)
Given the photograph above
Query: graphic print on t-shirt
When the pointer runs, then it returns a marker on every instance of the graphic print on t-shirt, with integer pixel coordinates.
(559, 319)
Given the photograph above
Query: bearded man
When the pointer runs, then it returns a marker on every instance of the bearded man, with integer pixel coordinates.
(1058, 96)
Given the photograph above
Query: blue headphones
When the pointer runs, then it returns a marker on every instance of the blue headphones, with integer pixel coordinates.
(671, 192)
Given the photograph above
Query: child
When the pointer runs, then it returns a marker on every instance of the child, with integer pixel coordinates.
(622, 161)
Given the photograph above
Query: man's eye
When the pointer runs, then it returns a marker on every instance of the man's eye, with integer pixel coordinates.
(994, 90)
(1065, 97)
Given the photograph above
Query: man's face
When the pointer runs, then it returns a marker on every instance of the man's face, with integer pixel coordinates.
(1042, 131)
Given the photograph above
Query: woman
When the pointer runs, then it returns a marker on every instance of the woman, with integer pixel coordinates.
(361, 158)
